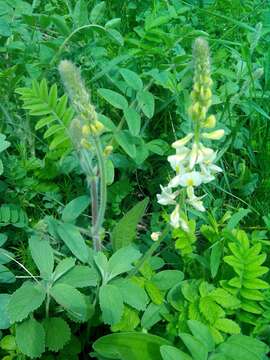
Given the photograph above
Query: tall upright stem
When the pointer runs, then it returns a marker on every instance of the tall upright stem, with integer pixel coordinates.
(97, 225)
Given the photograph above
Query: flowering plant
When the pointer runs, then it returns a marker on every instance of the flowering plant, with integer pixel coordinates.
(193, 162)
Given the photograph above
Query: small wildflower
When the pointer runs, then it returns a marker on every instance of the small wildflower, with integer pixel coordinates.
(155, 235)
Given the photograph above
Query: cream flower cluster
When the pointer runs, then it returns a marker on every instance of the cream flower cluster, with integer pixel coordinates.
(193, 162)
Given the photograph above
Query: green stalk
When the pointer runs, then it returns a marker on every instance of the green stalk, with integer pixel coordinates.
(97, 227)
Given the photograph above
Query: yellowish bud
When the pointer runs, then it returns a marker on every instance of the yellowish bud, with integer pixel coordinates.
(183, 141)
(207, 94)
(155, 235)
(210, 122)
(85, 144)
(108, 150)
(214, 135)
(97, 127)
(86, 130)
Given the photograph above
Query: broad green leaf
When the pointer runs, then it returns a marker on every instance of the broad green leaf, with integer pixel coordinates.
(167, 279)
(243, 347)
(101, 262)
(125, 140)
(154, 293)
(132, 293)
(129, 321)
(4, 318)
(227, 326)
(120, 236)
(80, 276)
(25, 300)
(80, 13)
(30, 338)
(236, 218)
(63, 267)
(111, 304)
(158, 146)
(146, 102)
(225, 299)
(197, 349)
(215, 258)
(97, 12)
(75, 208)
(73, 240)
(42, 254)
(130, 346)
(57, 333)
(201, 333)
(152, 315)
(172, 353)
(8, 343)
(72, 300)
(132, 79)
(6, 276)
(133, 120)
(116, 36)
(115, 99)
(121, 261)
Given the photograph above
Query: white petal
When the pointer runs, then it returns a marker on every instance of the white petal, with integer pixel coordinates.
(183, 141)
(192, 178)
(197, 204)
(175, 181)
(175, 217)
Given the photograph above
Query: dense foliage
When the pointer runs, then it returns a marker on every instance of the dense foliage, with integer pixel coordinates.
(108, 250)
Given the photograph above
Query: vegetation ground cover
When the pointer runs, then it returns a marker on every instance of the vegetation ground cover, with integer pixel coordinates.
(134, 162)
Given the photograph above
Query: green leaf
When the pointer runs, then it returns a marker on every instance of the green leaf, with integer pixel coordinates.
(133, 120)
(8, 343)
(42, 254)
(215, 258)
(152, 315)
(30, 338)
(132, 293)
(97, 12)
(72, 300)
(115, 99)
(75, 208)
(79, 276)
(196, 347)
(154, 293)
(146, 102)
(227, 326)
(4, 318)
(63, 267)
(5, 29)
(80, 13)
(6, 276)
(3, 143)
(201, 332)
(116, 35)
(121, 261)
(73, 240)
(25, 300)
(167, 279)
(243, 347)
(57, 333)
(225, 299)
(131, 346)
(120, 236)
(125, 140)
(172, 353)
(111, 304)
(236, 218)
(132, 79)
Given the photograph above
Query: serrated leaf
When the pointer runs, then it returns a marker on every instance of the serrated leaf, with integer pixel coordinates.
(122, 261)
(225, 299)
(30, 338)
(57, 333)
(63, 267)
(4, 318)
(120, 236)
(115, 99)
(132, 293)
(71, 299)
(167, 279)
(42, 254)
(111, 304)
(154, 293)
(25, 300)
(79, 276)
(74, 241)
